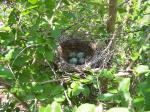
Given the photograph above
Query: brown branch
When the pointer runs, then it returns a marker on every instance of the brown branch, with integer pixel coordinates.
(112, 16)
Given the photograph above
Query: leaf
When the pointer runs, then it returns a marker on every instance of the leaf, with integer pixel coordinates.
(124, 93)
(27, 10)
(140, 69)
(88, 80)
(55, 33)
(48, 53)
(9, 55)
(118, 109)
(50, 5)
(95, 1)
(13, 17)
(107, 74)
(5, 73)
(47, 109)
(76, 88)
(134, 56)
(86, 91)
(59, 98)
(138, 102)
(33, 1)
(55, 107)
(145, 88)
(106, 97)
(124, 85)
(41, 109)
(86, 108)
(65, 2)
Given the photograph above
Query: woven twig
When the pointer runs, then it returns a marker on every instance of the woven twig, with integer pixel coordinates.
(98, 59)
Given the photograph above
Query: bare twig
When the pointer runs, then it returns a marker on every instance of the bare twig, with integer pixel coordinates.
(69, 102)
(56, 80)
(51, 67)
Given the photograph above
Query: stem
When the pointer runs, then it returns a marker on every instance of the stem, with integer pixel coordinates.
(112, 16)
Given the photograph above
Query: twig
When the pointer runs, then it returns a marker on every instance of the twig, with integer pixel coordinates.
(21, 53)
(107, 50)
(56, 80)
(11, 70)
(51, 67)
(69, 102)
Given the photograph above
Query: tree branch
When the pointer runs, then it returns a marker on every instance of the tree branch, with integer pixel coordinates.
(112, 16)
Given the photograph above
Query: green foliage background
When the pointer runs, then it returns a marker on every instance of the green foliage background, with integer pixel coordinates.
(29, 30)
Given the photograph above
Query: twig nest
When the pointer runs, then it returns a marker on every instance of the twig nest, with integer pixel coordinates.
(78, 52)
(76, 48)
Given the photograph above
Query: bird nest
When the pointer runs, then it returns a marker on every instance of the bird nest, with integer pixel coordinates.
(94, 51)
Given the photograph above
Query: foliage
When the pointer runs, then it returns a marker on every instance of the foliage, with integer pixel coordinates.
(29, 30)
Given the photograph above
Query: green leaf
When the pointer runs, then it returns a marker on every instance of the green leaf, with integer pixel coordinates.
(59, 98)
(124, 85)
(9, 55)
(77, 88)
(50, 5)
(86, 91)
(134, 56)
(88, 80)
(118, 109)
(5, 73)
(86, 108)
(33, 1)
(45, 109)
(55, 33)
(13, 17)
(42, 109)
(138, 102)
(140, 69)
(107, 74)
(95, 1)
(65, 2)
(48, 53)
(48, 108)
(55, 107)
(106, 97)
(145, 88)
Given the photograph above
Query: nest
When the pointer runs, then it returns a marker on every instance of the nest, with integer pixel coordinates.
(96, 56)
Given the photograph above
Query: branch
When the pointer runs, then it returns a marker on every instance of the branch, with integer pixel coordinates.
(112, 16)
(55, 80)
